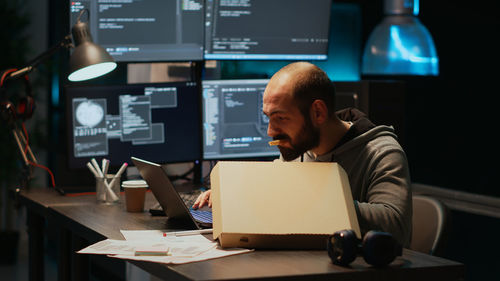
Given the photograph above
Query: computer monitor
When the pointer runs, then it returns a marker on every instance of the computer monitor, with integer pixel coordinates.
(267, 30)
(234, 126)
(158, 122)
(152, 30)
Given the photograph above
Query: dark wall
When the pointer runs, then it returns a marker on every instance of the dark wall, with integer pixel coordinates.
(451, 120)
(462, 115)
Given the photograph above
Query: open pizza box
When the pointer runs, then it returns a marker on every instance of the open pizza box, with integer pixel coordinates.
(280, 205)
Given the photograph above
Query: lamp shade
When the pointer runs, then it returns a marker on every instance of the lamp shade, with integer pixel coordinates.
(88, 60)
(400, 45)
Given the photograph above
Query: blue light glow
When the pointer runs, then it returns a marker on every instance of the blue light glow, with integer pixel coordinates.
(400, 45)
(398, 51)
(55, 90)
(416, 7)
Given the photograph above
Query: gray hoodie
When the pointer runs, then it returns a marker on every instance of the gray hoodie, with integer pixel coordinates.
(378, 175)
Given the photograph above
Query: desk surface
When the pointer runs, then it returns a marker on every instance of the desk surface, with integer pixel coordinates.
(95, 222)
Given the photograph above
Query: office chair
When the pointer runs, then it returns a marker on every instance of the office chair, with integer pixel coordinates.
(430, 220)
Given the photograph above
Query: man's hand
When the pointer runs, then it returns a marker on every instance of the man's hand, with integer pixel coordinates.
(203, 199)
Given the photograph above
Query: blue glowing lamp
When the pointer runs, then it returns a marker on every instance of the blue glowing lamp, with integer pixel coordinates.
(400, 44)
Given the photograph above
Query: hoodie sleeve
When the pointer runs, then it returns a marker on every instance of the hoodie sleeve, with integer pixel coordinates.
(387, 205)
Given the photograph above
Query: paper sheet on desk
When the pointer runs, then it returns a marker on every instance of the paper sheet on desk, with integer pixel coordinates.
(127, 248)
(184, 249)
(213, 253)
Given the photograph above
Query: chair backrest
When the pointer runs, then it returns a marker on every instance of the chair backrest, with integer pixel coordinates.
(430, 217)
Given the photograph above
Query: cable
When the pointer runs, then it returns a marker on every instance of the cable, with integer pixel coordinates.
(80, 194)
(46, 169)
(26, 138)
(4, 75)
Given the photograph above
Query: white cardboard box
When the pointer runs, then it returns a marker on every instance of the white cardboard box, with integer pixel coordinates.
(291, 205)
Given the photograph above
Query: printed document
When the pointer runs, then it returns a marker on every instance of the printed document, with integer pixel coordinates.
(181, 249)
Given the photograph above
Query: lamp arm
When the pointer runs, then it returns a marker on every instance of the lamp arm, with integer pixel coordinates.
(64, 43)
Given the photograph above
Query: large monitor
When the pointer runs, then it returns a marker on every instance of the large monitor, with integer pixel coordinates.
(152, 30)
(158, 122)
(234, 126)
(267, 30)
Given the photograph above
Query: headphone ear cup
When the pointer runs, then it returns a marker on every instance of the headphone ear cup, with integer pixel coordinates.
(25, 107)
(8, 113)
(342, 247)
(380, 248)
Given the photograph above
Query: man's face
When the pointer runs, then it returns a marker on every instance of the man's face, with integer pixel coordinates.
(306, 139)
(287, 123)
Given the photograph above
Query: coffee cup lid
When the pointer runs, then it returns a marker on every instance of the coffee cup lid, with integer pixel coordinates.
(134, 183)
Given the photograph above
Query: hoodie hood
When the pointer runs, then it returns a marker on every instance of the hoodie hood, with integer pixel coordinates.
(361, 133)
(360, 124)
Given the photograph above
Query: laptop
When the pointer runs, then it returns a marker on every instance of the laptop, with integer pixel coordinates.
(169, 199)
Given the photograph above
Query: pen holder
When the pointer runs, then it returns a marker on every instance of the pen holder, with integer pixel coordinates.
(104, 195)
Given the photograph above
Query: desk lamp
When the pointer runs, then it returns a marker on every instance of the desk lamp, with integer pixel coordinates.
(88, 61)
(400, 44)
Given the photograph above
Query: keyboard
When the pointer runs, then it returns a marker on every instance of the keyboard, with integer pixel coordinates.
(202, 216)
(189, 198)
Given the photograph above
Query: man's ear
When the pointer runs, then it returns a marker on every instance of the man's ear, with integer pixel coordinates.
(319, 112)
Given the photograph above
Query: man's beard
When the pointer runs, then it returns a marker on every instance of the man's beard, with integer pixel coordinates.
(307, 138)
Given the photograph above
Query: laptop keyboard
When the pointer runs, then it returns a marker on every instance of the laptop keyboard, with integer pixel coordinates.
(189, 198)
(202, 216)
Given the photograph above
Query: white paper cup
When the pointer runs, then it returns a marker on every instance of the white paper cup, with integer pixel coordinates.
(135, 183)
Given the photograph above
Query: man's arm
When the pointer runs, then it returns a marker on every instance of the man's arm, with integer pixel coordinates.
(388, 202)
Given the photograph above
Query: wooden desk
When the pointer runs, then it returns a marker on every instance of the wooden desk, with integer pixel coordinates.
(94, 222)
(37, 202)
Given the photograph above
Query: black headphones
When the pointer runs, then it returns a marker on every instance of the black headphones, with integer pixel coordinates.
(25, 105)
(377, 248)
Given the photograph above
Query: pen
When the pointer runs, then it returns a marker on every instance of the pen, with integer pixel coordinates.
(120, 171)
(91, 168)
(118, 174)
(109, 191)
(96, 167)
(105, 166)
(108, 186)
(188, 232)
